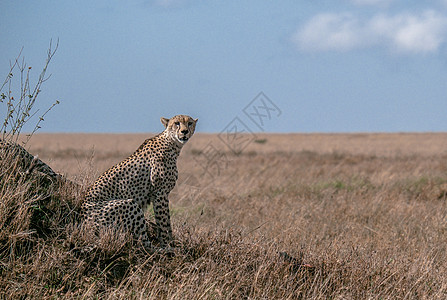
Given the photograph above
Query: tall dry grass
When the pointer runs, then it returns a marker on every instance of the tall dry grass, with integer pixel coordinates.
(291, 217)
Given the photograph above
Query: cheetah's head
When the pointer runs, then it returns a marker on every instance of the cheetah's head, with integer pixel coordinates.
(181, 127)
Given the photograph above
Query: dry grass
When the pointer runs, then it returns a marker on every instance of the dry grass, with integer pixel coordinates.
(367, 212)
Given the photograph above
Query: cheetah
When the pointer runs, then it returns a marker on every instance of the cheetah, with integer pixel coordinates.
(118, 198)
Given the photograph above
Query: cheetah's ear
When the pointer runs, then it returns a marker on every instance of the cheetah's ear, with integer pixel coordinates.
(165, 122)
(195, 120)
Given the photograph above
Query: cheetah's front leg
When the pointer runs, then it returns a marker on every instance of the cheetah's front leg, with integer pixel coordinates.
(163, 220)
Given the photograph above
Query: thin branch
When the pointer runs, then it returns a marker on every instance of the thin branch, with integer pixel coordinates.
(19, 111)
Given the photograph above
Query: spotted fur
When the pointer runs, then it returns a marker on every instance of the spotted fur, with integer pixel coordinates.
(119, 197)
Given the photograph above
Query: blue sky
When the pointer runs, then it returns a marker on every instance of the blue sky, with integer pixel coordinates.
(328, 66)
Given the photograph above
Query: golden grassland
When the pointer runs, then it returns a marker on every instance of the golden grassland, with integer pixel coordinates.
(355, 216)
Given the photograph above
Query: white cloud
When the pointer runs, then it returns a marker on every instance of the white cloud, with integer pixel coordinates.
(405, 32)
(424, 33)
(330, 32)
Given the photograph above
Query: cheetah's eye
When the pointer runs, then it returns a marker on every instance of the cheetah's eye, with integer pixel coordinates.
(189, 123)
(177, 123)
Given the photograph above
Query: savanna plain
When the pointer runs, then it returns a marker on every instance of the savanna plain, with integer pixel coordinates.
(286, 216)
